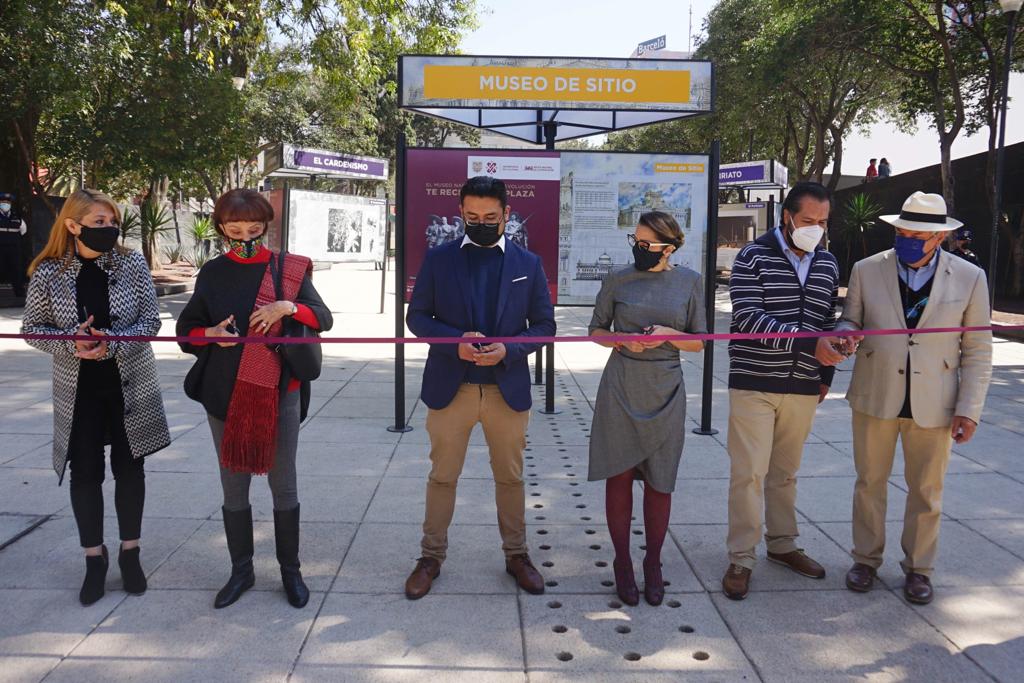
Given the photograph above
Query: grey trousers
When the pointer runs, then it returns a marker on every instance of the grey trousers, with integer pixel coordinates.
(281, 477)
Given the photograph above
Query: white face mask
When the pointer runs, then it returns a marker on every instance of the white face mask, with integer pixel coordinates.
(5, 207)
(807, 237)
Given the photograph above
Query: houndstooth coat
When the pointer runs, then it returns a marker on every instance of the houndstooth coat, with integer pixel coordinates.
(51, 308)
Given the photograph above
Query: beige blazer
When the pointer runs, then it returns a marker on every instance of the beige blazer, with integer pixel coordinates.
(951, 372)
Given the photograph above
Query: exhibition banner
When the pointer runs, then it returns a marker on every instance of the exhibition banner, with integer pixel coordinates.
(434, 177)
(565, 82)
(574, 209)
(336, 227)
(603, 196)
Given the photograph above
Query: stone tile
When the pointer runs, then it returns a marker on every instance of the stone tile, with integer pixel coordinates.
(344, 459)
(395, 674)
(202, 562)
(957, 562)
(31, 491)
(839, 635)
(480, 636)
(705, 549)
(985, 622)
(46, 621)
(591, 635)
(994, 447)
(177, 636)
(401, 500)
(11, 525)
(575, 552)
(185, 457)
(382, 555)
(362, 406)
(14, 669)
(35, 419)
(51, 557)
(317, 430)
(700, 501)
(164, 495)
(24, 443)
(982, 496)
(323, 498)
(1008, 533)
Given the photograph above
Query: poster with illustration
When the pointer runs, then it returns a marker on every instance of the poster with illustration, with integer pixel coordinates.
(603, 195)
(434, 178)
(336, 228)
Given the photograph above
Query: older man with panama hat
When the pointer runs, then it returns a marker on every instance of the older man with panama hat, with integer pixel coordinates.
(927, 390)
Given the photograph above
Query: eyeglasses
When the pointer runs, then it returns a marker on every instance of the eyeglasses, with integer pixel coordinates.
(644, 244)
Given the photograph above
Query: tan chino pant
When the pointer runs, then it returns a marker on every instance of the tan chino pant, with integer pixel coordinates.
(926, 454)
(449, 430)
(766, 442)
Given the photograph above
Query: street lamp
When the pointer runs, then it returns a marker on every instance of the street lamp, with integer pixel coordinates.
(1011, 8)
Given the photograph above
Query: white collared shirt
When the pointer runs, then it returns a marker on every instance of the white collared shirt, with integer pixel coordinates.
(500, 244)
(802, 266)
(916, 279)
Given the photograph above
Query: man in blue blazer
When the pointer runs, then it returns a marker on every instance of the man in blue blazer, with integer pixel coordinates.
(481, 286)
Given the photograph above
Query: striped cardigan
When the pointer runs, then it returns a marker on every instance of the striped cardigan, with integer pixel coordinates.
(767, 297)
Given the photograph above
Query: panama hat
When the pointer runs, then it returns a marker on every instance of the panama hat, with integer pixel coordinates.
(924, 213)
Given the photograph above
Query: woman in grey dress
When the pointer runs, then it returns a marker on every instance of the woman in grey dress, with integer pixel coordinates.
(640, 417)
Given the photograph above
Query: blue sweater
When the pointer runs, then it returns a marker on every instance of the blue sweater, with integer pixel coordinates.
(485, 279)
(767, 297)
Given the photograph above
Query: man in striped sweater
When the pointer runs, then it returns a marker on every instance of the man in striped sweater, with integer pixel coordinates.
(782, 282)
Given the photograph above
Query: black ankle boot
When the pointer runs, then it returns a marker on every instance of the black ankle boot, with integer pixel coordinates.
(286, 535)
(94, 585)
(238, 527)
(132, 576)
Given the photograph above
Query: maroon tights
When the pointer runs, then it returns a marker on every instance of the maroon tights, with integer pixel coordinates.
(618, 502)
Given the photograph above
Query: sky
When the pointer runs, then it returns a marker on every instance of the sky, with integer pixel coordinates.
(603, 28)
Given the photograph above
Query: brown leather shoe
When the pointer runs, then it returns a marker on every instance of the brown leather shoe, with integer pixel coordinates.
(736, 582)
(422, 577)
(861, 577)
(798, 562)
(918, 589)
(526, 575)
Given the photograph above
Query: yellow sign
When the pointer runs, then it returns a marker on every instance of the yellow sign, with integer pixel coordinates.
(444, 82)
(678, 168)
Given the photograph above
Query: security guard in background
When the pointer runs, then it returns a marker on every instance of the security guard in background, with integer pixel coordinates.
(12, 229)
(961, 246)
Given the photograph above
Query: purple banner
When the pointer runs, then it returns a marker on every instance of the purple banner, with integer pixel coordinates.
(336, 163)
(735, 174)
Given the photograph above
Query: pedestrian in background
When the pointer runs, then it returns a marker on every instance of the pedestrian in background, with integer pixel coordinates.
(640, 414)
(253, 404)
(84, 283)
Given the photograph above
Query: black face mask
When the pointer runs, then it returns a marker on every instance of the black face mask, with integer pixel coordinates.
(101, 238)
(644, 259)
(484, 234)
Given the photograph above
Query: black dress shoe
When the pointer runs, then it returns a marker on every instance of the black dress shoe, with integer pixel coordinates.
(94, 585)
(918, 589)
(861, 577)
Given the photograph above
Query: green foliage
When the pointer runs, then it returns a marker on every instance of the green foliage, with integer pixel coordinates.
(859, 216)
(154, 220)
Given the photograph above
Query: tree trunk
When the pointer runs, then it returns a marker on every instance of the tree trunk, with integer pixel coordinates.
(948, 185)
(837, 157)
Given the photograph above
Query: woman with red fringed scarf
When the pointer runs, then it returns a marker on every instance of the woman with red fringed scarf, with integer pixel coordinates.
(254, 407)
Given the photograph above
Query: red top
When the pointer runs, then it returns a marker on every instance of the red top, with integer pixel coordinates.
(872, 171)
(304, 314)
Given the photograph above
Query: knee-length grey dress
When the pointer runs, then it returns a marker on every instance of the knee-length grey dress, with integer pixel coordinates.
(640, 415)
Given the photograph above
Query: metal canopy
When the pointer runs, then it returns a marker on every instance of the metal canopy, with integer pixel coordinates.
(531, 98)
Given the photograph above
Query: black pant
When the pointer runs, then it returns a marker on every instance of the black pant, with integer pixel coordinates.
(99, 420)
(12, 266)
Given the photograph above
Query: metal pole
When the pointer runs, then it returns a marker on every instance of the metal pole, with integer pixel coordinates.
(400, 423)
(538, 368)
(993, 256)
(550, 133)
(286, 210)
(710, 264)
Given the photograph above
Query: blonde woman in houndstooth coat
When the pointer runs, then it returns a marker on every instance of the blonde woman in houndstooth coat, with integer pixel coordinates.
(103, 392)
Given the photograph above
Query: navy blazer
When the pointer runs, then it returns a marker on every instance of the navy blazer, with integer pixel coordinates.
(441, 307)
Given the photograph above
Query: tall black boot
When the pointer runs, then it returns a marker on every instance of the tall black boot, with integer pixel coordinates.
(286, 534)
(238, 527)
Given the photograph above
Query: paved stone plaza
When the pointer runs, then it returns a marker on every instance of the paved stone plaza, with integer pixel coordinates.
(362, 489)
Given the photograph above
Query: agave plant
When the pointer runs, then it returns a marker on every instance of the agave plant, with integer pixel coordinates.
(203, 236)
(129, 225)
(860, 214)
(153, 220)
